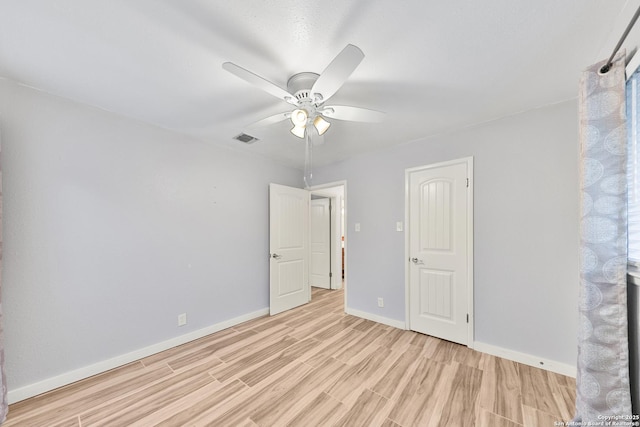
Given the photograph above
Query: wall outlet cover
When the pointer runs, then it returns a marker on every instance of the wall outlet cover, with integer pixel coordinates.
(182, 319)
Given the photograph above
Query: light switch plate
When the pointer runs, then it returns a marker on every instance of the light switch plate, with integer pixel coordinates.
(357, 226)
(399, 226)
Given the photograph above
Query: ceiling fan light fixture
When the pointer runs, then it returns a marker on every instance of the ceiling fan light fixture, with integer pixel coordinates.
(298, 131)
(321, 124)
(299, 118)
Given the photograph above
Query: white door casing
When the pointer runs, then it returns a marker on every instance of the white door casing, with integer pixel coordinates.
(320, 265)
(337, 243)
(440, 212)
(288, 248)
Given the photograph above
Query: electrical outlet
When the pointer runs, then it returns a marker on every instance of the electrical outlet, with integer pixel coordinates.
(182, 319)
(380, 302)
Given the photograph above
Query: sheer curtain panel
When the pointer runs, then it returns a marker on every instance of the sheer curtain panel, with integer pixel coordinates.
(603, 350)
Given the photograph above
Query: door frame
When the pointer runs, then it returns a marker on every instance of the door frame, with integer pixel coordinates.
(335, 222)
(407, 173)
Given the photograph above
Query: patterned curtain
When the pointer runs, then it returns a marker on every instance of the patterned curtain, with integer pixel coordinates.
(4, 407)
(603, 349)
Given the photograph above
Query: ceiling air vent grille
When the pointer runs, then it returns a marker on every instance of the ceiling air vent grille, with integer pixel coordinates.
(247, 139)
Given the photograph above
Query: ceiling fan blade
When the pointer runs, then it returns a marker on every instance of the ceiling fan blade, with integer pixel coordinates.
(260, 82)
(276, 118)
(353, 114)
(337, 72)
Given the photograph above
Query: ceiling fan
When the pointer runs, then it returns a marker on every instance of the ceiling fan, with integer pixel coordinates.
(307, 92)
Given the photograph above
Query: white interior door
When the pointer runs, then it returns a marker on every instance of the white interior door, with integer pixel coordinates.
(439, 210)
(321, 243)
(288, 247)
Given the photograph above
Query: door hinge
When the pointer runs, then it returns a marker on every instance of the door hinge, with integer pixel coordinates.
(467, 317)
(330, 275)
(467, 182)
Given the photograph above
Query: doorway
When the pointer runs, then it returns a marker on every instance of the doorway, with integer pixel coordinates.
(290, 243)
(320, 265)
(336, 194)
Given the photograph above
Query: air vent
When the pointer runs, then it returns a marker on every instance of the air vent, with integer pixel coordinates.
(247, 139)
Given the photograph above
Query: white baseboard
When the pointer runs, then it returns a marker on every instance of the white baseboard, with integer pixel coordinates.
(374, 317)
(105, 365)
(527, 359)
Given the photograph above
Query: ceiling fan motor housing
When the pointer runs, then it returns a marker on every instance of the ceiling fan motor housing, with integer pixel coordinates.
(300, 86)
(301, 81)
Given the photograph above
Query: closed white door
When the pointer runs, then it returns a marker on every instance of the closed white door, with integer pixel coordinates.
(321, 243)
(289, 247)
(439, 207)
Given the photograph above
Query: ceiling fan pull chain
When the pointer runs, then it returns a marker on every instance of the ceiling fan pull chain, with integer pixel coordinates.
(308, 152)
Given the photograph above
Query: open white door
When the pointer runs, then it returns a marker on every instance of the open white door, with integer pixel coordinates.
(288, 247)
(321, 243)
(440, 250)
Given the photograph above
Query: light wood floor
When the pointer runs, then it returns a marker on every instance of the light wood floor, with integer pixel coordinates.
(311, 366)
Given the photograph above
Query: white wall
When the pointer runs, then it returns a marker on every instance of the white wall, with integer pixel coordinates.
(113, 228)
(526, 228)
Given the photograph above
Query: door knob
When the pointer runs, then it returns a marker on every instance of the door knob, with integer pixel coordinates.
(276, 256)
(416, 261)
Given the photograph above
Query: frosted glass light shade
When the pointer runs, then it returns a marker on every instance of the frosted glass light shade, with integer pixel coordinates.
(321, 124)
(298, 131)
(299, 118)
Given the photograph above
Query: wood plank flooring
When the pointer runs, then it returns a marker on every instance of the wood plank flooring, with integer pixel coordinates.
(311, 366)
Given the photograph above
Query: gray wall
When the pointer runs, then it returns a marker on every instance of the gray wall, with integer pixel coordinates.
(525, 221)
(113, 228)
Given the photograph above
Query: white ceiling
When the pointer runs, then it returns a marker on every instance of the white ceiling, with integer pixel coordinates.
(432, 66)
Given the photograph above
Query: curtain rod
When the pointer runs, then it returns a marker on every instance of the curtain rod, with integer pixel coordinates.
(605, 69)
